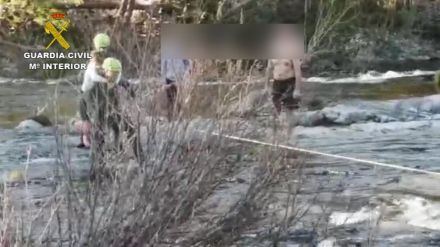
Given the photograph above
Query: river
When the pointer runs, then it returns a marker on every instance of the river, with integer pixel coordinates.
(391, 117)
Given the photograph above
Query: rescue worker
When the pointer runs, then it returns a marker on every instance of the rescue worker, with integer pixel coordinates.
(93, 74)
(104, 107)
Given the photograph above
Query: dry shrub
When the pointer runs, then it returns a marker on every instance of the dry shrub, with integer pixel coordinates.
(159, 199)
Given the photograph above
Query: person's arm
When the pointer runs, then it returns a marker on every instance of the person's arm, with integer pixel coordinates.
(95, 76)
(128, 86)
(163, 69)
(90, 77)
(298, 76)
(124, 83)
(188, 70)
(191, 69)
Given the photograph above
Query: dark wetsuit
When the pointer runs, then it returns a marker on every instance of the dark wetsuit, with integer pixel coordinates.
(282, 94)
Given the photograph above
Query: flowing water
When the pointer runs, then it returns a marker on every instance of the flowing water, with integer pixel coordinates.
(389, 117)
(20, 99)
(392, 117)
(384, 118)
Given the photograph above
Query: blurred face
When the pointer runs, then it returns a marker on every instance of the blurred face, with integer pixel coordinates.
(286, 43)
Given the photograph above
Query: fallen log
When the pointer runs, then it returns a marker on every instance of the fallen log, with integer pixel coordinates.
(106, 4)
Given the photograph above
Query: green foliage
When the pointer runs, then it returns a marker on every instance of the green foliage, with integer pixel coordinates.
(326, 18)
(229, 12)
(18, 12)
(335, 22)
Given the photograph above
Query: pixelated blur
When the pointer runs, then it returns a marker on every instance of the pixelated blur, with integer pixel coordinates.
(218, 41)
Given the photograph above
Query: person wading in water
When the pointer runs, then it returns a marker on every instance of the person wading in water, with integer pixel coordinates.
(285, 73)
(174, 71)
(286, 78)
(93, 74)
(103, 103)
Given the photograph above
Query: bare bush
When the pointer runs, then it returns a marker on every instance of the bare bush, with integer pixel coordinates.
(159, 199)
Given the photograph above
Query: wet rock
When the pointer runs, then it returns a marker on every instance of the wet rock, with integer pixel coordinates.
(29, 124)
(423, 185)
(329, 242)
(38, 203)
(34, 123)
(241, 181)
(42, 120)
(315, 104)
(302, 236)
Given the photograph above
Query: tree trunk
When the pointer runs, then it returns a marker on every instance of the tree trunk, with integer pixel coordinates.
(101, 4)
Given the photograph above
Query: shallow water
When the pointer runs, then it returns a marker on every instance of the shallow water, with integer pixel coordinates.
(20, 99)
(394, 121)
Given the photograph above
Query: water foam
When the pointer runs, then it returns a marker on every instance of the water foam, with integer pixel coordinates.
(371, 77)
(421, 212)
(348, 218)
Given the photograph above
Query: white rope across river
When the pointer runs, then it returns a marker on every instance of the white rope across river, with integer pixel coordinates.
(335, 156)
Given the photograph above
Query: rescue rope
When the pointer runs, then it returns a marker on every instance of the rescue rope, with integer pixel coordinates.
(335, 156)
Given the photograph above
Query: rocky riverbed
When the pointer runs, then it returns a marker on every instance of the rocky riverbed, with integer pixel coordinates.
(337, 203)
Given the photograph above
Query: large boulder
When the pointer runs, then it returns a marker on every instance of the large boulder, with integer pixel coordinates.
(34, 123)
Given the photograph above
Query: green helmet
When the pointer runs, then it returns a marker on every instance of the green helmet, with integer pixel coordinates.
(112, 64)
(101, 41)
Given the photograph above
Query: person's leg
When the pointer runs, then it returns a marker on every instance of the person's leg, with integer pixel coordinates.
(276, 97)
(277, 94)
(290, 105)
(83, 116)
(171, 95)
(114, 123)
(87, 134)
(97, 153)
(85, 130)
